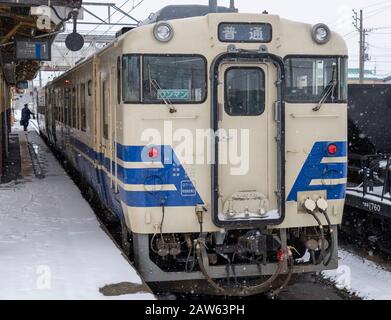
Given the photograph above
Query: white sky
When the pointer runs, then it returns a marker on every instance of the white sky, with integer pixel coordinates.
(336, 13)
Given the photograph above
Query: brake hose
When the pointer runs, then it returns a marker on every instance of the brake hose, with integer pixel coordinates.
(288, 278)
(331, 238)
(322, 249)
(243, 291)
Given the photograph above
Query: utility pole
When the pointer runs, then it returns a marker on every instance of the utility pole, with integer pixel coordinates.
(212, 6)
(358, 23)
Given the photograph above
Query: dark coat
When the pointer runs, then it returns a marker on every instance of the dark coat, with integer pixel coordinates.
(26, 114)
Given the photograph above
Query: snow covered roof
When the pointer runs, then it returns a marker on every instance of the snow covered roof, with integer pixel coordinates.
(354, 74)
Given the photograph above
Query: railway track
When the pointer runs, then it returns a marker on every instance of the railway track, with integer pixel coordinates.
(362, 231)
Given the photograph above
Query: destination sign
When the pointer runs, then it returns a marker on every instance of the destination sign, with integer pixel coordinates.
(245, 32)
(27, 49)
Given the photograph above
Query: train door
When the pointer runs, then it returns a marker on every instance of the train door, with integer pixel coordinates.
(104, 133)
(247, 178)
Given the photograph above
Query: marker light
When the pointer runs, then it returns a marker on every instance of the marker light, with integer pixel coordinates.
(280, 255)
(321, 33)
(153, 153)
(163, 32)
(332, 149)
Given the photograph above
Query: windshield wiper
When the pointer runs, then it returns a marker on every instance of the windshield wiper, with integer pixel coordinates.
(155, 85)
(329, 90)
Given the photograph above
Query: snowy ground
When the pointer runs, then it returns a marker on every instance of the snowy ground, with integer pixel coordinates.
(51, 244)
(364, 278)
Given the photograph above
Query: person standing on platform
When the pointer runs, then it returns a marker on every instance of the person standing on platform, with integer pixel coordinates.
(26, 116)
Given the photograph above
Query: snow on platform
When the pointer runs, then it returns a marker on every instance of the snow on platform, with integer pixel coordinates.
(360, 276)
(52, 245)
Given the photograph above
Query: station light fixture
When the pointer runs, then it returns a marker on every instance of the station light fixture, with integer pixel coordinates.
(321, 33)
(163, 31)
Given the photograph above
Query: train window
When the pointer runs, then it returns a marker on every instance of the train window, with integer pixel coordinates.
(89, 88)
(83, 122)
(131, 79)
(180, 79)
(74, 108)
(60, 103)
(307, 79)
(244, 91)
(343, 91)
(67, 103)
(119, 80)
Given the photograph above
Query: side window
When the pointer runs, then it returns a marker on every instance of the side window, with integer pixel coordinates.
(119, 80)
(105, 119)
(67, 106)
(74, 108)
(57, 103)
(131, 79)
(244, 91)
(343, 79)
(60, 103)
(83, 118)
(89, 85)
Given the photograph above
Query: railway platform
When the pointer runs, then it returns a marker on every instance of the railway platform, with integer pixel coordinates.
(52, 246)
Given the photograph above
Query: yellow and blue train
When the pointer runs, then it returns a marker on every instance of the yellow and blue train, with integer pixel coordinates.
(220, 141)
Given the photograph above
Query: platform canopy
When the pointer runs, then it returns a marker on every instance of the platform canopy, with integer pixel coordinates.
(17, 22)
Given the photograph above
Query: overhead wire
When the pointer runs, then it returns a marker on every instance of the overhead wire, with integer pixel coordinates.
(117, 21)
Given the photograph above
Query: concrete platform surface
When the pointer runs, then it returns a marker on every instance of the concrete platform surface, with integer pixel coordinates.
(52, 245)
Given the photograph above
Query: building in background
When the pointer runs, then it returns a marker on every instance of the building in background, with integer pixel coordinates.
(370, 77)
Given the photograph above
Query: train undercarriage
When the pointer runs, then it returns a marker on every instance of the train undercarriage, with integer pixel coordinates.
(237, 263)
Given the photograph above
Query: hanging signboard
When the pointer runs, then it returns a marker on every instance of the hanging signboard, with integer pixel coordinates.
(33, 49)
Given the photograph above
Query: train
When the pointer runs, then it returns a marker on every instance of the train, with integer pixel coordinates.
(367, 216)
(219, 140)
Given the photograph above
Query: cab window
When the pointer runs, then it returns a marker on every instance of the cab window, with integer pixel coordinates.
(131, 79)
(178, 79)
(244, 91)
(309, 78)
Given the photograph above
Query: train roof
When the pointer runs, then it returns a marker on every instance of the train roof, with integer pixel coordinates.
(284, 35)
(174, 12)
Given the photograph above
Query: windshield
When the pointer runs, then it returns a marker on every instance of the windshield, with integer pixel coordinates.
(164, 79)
(307, 78)
(177, 79)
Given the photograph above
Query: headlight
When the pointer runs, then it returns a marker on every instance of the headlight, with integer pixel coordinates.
(321, 33)
(163, 32)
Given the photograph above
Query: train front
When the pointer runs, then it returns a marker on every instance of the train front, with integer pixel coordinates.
(238, 124)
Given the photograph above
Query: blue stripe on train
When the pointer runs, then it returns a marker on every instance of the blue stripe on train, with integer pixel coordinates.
(172, 173)
(314, 169)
